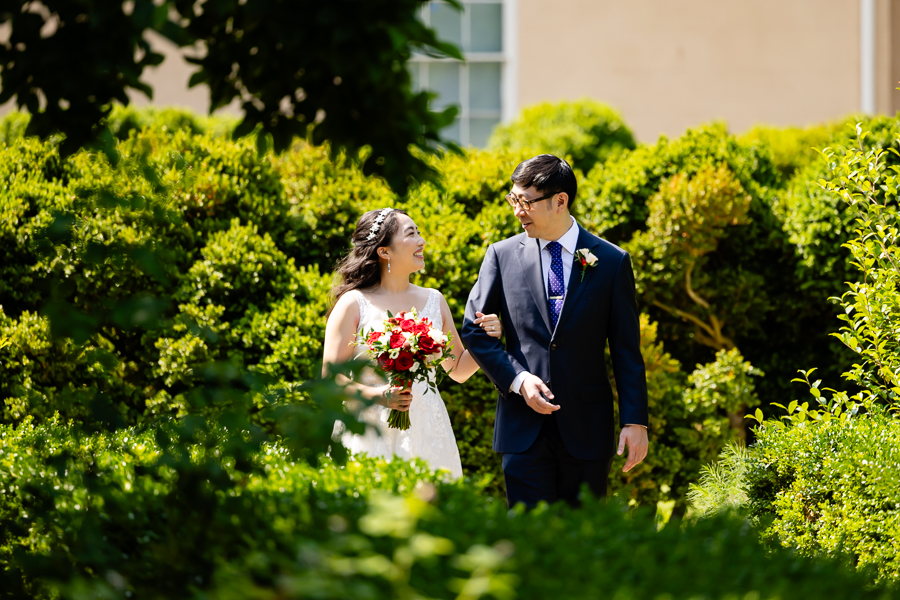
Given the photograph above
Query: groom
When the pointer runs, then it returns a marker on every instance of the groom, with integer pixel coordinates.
(554, 423)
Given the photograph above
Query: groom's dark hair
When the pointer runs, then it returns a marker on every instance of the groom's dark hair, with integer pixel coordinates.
(548, 174)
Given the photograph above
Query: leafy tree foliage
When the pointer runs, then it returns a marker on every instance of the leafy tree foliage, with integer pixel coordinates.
(335, 71)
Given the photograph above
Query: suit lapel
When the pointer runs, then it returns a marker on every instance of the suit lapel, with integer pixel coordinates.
(529, 255)
(576, 284)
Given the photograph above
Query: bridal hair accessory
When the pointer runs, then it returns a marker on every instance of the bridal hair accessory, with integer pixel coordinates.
(586, 258)
(373, 230)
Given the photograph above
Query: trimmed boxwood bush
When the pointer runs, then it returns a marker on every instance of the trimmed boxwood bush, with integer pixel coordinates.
(585, 132)
(792, 148)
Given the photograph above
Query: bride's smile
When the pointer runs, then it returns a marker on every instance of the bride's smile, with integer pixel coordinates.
(407, 250)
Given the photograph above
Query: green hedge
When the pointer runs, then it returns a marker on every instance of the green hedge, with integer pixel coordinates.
(245, 245)
(792, 148)
(773, 308)
(102, 516)
(825, 479)
(831, 488)
(585, 132)
(224, 291)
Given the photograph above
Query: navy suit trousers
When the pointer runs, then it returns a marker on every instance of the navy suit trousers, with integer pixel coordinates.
(547, 471)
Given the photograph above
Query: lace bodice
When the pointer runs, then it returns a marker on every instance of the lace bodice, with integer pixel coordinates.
(430, 435)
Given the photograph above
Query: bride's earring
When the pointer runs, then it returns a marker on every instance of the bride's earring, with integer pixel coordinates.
(389, 265)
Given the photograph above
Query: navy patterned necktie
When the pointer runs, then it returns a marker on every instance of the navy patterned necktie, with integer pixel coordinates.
(555, 281)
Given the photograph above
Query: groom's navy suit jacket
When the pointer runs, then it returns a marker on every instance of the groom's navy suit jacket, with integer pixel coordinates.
(597, 309)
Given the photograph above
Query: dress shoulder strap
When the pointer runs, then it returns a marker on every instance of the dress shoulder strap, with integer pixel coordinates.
(363, 304)
(432, 308)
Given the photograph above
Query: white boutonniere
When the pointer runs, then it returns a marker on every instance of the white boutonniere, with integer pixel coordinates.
(586, 258)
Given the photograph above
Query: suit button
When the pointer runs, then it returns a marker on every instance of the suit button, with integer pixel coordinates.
(553, 346)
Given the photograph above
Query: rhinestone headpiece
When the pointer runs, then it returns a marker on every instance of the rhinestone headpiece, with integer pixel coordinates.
(373, 230)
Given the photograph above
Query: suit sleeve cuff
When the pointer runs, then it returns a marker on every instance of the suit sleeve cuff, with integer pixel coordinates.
(516, 385)
(627, 424)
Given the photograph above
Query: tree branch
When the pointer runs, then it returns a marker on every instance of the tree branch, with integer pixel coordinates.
(690, 291)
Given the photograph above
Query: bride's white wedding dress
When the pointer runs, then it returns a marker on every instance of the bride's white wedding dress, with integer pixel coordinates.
(430, 436)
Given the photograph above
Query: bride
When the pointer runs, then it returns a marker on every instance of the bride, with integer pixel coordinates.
(374, 279)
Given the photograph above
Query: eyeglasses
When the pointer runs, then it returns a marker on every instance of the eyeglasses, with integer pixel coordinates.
(526, 205)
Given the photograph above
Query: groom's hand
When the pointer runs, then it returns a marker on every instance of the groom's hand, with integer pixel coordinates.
(537, 395)
(635, 437)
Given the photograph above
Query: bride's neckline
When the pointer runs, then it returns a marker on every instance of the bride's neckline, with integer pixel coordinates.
(382, 310)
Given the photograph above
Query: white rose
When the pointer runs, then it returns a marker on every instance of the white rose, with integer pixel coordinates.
(591, 259)
(385, 337)
(379, 327)
(436, 335)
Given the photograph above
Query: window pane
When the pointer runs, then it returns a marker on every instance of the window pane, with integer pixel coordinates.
(443, 79)
(480, 130)
(451, 133)
(446, 20)
(484, 86)
(486, 27)
(414, 77)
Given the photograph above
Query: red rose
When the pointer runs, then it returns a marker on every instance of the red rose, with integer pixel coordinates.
(385, 362)
(373, 337)
(404, 361)
(426, 343)
(407, 325)
(421, 327)
(397, 340)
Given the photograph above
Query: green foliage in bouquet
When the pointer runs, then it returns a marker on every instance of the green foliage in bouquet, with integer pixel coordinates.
(584, 132)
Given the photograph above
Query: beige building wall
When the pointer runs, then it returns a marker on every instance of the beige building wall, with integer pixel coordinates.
(673, 64)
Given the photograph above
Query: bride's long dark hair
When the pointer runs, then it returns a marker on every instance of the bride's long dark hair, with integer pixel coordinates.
(360, 269)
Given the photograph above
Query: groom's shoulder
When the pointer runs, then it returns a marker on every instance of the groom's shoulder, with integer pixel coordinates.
(509, 243)
(605, 246)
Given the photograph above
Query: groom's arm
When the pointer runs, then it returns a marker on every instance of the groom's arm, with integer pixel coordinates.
(625, 348)
(486, 297)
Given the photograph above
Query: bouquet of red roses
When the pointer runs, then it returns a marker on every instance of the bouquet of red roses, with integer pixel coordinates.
(408, 350)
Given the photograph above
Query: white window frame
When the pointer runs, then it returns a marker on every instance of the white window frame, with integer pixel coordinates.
(506, 59)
